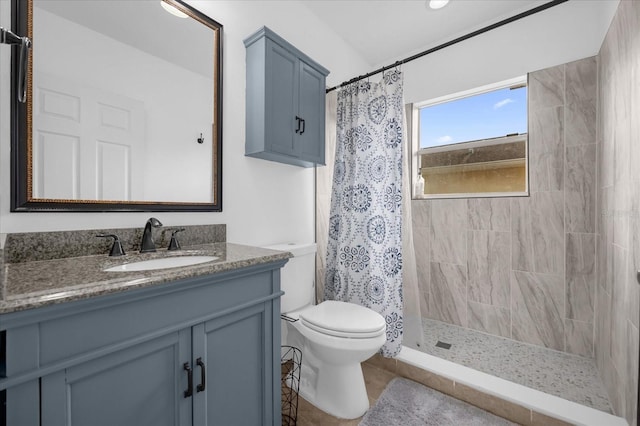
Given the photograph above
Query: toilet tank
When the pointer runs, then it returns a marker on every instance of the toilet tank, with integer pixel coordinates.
(297, 276)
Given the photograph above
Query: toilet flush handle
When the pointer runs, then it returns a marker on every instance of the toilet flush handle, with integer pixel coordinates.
(288, 318)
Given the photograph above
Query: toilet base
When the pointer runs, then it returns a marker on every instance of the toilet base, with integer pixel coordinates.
(338, 390)
(331, 375)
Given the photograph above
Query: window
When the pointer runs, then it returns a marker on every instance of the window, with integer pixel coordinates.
(472, 144)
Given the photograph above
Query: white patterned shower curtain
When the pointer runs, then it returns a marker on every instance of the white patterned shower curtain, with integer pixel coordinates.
(364, 250)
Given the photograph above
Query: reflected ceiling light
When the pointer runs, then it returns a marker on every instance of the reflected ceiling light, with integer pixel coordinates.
(437, 4)
(172, 10)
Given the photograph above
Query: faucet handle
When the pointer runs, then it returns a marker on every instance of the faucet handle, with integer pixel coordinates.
(174, 244)
(116, 248)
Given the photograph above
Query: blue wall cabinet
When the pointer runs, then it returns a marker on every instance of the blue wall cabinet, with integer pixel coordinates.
(285, 102)
(199, 351)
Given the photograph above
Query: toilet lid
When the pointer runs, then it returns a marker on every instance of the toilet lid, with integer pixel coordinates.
(343, 319)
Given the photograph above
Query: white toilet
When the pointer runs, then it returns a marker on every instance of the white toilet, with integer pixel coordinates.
(335, 337)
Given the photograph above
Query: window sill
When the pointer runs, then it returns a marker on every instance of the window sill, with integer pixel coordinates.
(471, 195)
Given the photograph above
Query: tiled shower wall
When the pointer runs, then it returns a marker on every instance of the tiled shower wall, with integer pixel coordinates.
(524, 267)
(618, 230)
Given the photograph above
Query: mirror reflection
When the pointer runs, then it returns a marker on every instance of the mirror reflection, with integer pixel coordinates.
(124, 103)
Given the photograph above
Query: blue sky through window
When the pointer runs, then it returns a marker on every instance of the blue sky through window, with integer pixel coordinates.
(488, 115)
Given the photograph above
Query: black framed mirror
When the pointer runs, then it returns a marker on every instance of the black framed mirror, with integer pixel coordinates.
(123, 109)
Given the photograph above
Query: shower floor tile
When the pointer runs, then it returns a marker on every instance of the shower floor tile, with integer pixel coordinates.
(557, 373)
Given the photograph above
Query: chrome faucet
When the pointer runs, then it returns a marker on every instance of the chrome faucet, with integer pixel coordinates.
(147, 244)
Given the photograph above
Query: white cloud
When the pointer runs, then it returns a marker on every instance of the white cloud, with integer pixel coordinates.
(503, 103)
(444, 139)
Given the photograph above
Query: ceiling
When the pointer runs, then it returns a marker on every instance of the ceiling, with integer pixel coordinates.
(144, 25)
(381, 31)
(384, 31)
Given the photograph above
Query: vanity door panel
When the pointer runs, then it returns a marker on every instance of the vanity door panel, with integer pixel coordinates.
(238, 356)
(140, 386)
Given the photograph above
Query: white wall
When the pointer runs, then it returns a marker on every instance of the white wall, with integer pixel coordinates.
(561, 34)
(267, 202)
(263, 202)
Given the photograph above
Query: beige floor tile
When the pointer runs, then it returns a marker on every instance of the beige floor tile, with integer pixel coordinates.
(375, 379)
(382, 362)
(316, 417)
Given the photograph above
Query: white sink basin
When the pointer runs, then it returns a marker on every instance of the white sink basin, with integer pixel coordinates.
(163, 263)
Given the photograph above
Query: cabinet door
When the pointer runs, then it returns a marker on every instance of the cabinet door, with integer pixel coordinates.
(281, 99)
(237, 352)
(138, 386)
(311, 106)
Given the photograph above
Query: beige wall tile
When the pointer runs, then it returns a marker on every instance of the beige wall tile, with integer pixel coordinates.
(579, 337)
(546, 88)
(537, 309)
(581, 80)
(490, 214)
(488, 267)
(489, 319)
(580, 259)
(448, 293)
(580, 188)
(448, 240)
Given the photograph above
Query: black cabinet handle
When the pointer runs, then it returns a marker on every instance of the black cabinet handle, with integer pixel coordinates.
(303, 125)
(203, 374)
(299, 120)
(189, 371)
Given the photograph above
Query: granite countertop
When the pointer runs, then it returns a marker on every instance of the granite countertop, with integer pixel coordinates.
(34, 284)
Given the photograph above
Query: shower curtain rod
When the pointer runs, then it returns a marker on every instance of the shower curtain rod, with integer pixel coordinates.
(452, 42)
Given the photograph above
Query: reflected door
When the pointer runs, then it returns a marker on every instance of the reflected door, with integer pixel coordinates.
(85, 142)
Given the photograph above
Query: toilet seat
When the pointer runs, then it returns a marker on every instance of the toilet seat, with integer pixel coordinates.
(343, 319)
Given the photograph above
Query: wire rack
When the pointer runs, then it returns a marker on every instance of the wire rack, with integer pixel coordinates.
(290, 362)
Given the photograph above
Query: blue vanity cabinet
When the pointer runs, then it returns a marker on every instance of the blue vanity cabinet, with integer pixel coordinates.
(285, 102)
(199, 351)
